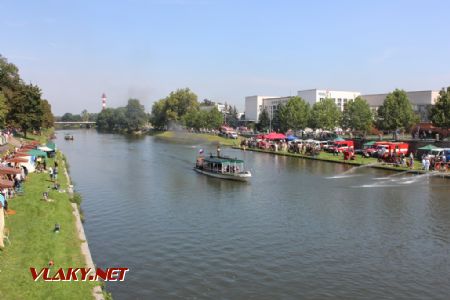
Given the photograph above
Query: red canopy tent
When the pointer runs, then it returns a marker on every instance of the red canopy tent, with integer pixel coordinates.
(25, 148)
(9, 170)
(21, 154)
(17, 160)
(275, 136)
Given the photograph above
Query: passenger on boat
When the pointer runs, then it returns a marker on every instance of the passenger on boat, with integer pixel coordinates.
(218, 151)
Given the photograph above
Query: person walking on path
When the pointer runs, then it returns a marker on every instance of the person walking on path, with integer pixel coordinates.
(50, 171)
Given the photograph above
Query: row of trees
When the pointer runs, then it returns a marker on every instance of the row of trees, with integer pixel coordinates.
(181, 108)
(395, 113)
(21, 104)
(84, 116)
(130, 118)
(297, 114)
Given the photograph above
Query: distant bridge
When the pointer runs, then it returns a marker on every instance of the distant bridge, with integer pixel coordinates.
(79, 122)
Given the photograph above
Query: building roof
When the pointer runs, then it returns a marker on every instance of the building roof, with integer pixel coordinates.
(221, 160)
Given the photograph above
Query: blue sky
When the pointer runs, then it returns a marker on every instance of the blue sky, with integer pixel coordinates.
(222, 50)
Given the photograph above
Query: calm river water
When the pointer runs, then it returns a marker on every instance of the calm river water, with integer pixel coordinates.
(294, 232)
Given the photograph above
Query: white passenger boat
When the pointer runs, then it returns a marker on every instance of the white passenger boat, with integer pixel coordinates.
(222, 167)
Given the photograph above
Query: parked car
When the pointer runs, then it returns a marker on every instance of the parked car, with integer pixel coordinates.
(232, 135)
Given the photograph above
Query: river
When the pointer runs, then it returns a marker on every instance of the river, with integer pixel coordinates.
(294, 232)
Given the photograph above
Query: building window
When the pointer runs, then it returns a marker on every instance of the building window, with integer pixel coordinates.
(321, 99)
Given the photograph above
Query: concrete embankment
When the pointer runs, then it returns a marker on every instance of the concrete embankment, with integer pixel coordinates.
(97, 291)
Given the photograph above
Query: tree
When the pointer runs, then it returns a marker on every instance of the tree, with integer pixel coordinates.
(263, 120)
(47, 119)
(119, 119)
(135, 115)
(206, 102)
(357, 115)
(26, 110)
(21, 104)
(105, 119)
(294, 114)
(10, 81)
(276, 123)
(158, 115)
(214, 118)
(3, 109)
(178, 103)
(396, 112)
(440, 112)
(68, 117)
(231, 116)
(84, 115)
(325, 115)
(173, 108)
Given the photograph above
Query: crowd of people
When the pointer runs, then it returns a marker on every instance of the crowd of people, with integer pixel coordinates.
(307, 147)
(439, 163)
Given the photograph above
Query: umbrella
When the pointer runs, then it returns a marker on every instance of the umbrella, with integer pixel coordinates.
(9, 170)
(428, 147)
(291, 137)
(17, 160)
(275, 136)
(6, 183)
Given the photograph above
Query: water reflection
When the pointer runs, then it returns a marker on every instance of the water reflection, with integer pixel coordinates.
(291, 233)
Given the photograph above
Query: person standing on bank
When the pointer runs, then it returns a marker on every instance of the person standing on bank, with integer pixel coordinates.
(2, 219)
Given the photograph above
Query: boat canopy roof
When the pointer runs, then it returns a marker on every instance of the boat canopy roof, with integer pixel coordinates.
(223, 160)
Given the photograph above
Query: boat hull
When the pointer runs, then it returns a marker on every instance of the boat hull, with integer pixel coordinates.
(236, 177)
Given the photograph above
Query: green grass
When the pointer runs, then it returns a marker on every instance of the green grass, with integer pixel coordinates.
(34, 244)
(42, 138)
(359, 160)
(186, 137)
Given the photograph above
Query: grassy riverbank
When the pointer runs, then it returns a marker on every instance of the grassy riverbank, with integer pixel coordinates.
(329, 157)
(187, 137)
(34, 244)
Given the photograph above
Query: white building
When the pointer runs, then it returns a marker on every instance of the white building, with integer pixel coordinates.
(220, 107)
(421, 101)
(339, 97)
(271, 104)
(254, 105)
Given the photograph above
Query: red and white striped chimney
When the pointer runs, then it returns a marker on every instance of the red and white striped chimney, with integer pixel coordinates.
(103, 101)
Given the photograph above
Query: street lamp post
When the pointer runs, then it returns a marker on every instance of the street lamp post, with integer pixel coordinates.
(270, 118)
